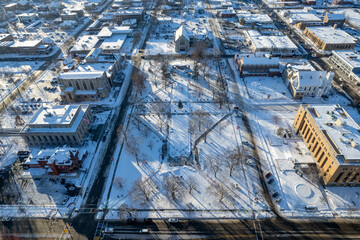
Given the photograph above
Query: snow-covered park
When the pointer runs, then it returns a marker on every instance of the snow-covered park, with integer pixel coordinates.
(182, 153)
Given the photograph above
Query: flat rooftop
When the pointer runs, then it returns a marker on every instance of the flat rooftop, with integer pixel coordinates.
(85, 43)
(55, 115)
(352, 58)
(257, 18)
(340, 129)
(57, 119)
(27, 44)
(303, 17)
(276, 42)
(81, 75)
(332, 35)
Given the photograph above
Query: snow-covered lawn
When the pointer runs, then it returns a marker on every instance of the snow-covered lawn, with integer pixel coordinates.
(160, 46)
(162, 147)
(264, 88)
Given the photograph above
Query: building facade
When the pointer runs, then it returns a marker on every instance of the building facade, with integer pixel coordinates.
(58, 125)
(333, 138)
(335, 19)
(347, 62)
(328, 38)
(250, 65)
(84, 86)
(184, 39)
(304, 80)
(57, 161)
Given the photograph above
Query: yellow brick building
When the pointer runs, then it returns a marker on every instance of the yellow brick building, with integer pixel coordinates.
(328, 38)
(333, 138)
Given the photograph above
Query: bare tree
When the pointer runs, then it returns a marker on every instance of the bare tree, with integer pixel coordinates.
(202, 118)
(161, 109)
(214, 164)
(132, 145)
(218, 190)
(119, 131)
(220, 97)
(140, 191)
(124, 212)
(119, 182)
(165, 72)
(138, 81)
(173, 186)
(280, 131)
(192, 184)
(276, 119)
(196, 72)
(233, 159)
(198, 53)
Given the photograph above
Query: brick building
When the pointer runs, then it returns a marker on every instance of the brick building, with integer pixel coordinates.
(328, 38)
(57, 161)
(333, 138)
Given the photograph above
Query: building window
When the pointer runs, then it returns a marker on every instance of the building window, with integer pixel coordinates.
(56, 137)
(77, 85)
(62, 138)
(92, 85)
(339, 176)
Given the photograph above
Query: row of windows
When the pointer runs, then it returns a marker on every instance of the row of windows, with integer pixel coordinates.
(77, 85)
(46, 139)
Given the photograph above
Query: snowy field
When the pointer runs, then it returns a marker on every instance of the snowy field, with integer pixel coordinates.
(263, 88)
(160, 45)
(183, 173)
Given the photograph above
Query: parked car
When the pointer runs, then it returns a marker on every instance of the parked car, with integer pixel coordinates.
(6, 219)
(269, 174)
(275, 194)
(173, 220)
(270, 181)
(144, 230)
(278, 200)
(148, 220)
(109, 230)
(65, 200)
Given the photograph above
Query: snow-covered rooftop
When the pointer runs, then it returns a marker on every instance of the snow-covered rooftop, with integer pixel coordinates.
(62, 115)
(350, 57)
(257, 18)
(29, 43)
(81, 75)
(57, 119)
(85, 43)
(341, 129)
(274, 42)
(303, 17)
(336, 16)
(253, 60)
(182, 32)
(332, 35)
